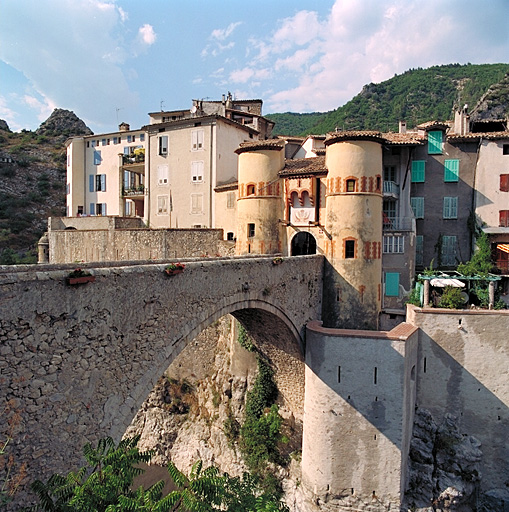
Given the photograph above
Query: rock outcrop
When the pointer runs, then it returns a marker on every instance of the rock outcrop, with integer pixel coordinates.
(4, 126)
(63, 122)
(444, 466)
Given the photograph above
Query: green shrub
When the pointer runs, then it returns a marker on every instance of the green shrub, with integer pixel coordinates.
(451, 298)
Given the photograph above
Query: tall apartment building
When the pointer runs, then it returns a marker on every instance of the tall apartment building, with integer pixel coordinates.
(167, 172)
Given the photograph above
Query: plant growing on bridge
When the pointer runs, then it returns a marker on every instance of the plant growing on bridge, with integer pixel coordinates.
(174, 268)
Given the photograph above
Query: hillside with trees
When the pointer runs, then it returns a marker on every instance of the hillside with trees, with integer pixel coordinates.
(418, 95)
(32, 184)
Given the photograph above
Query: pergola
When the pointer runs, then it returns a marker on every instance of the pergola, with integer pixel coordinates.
(442, 279)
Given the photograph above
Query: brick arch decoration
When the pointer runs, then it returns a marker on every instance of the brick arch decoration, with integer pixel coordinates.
(78, 361)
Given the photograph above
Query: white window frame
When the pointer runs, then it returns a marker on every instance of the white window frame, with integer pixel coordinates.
(394, 244)
(162, 205)
(197, 138)
(197, 171)
(196, 204)
(163, 145)
(163, 175)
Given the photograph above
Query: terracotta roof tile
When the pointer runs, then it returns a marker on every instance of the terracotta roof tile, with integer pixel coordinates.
(304, 166)
(333, 137)
(408, 138)
(275, 144)
(455, 137)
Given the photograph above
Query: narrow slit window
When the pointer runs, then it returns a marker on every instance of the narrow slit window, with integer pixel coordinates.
(375, 375)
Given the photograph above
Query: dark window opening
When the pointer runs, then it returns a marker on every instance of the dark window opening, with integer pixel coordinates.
(505, 149)
(230, 236)
(250, 230)
(349, 248)
(350, 185)
(375, 375)
(250, 190)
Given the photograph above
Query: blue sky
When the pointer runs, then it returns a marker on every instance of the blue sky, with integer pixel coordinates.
(116, 60)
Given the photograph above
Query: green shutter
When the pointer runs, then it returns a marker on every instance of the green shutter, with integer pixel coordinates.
(451, 170)
(417, 204)
(418, 171)
(392, 284)
(435, 143)
(450, 208)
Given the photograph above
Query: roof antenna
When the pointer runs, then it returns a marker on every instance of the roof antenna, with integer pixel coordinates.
(118, 110)
(161, 105)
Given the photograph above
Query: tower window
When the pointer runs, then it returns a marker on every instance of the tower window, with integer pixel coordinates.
(349, 249)
(250, 230)
(250, 190)
(350, 185)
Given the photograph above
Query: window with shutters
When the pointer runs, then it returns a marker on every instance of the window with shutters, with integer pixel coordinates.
(417, 204)
(435, 142)
(92, 209)
(448, 251)
(392, 284)
(504, 218)
(418, 171)
(196, 204)
(419, 250)
(504, 183)
(350, 185)
(97, 157)
(162, 205)
(163, 145)
(450, 210)
(100, 183)
(100, 209)
(230, 200)
(197, 137)
(451, 170)
(162, 175)
(197, 172)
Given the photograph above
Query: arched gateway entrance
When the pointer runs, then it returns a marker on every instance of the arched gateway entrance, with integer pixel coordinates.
(303, 243)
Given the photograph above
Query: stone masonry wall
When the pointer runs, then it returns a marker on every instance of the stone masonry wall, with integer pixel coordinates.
(77, 362)
(82, 245)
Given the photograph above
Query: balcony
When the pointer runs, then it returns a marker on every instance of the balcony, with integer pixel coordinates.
(391, 189)
(398, 223)
(138, 191)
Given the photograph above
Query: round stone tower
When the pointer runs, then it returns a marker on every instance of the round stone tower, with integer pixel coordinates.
(259, 206)
(353, 271)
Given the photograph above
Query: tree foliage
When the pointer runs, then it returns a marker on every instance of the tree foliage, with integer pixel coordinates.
(105, 484)
(418, 95)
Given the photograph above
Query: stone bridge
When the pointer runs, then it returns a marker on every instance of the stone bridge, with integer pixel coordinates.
(77, 361)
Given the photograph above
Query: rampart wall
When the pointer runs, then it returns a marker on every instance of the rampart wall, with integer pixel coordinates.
(463, 370)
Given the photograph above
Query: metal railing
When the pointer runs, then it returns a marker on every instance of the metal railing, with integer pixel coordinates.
(398, 224)
(391, 188)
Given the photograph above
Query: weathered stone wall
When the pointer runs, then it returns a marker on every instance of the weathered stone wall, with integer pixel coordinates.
(78, 361)
(463, 372)
(97, 245)
(359, 405)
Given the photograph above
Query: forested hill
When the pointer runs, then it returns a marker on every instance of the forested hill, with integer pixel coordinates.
(418, 95)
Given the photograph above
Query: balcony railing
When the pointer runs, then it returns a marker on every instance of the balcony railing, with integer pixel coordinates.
(391, 189)
(134, 191)
(398, 224)
(133, 159)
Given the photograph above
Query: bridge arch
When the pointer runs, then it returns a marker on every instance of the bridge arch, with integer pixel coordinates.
(80, 360)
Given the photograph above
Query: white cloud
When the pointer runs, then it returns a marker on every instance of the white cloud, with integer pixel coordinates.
(222, 34)
(147, 35)
(70, 52)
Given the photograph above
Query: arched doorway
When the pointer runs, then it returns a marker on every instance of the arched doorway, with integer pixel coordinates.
(303, 243)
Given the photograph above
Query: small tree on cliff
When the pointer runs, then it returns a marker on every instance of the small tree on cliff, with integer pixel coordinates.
(106, 485)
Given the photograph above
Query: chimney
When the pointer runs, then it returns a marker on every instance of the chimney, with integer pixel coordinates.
(461, 121)
(124, 127)
(402, 127)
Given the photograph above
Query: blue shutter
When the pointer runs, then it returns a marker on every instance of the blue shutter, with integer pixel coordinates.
(392, 284)
(91, 184)
(103, 182)
(104, 209)
(92, 208)
(435, 143)
(451, 170)
(418, 171)
(97, 157)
